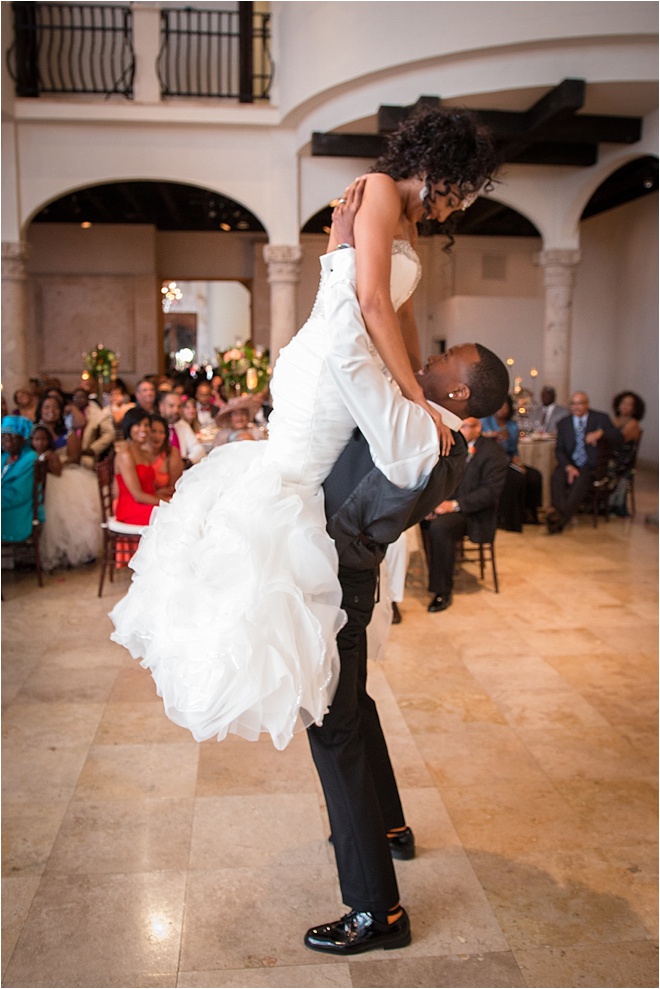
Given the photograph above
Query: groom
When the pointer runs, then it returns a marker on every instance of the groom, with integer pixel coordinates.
(368, 506)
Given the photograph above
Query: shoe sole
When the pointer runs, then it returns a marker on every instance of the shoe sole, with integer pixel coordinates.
(401, 942)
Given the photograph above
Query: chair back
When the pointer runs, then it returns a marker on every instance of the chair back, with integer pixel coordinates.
(105, 475)
(39, 492)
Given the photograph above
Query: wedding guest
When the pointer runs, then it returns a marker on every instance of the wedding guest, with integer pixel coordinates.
(145, 395)
(167, 463)
(18, 459)
(179, 431)
(26, 403)
(583, 438)
(134, 470)
(120, 403)
(548, 414)
(189, 414)
(523, 490)
(629, 410)
(50, 413)
(235, 422)
(97, 435)
(73, 513)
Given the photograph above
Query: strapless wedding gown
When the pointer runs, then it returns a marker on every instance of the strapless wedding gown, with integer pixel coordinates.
(235, 603)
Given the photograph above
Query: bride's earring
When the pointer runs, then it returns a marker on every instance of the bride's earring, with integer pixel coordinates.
(450, 394)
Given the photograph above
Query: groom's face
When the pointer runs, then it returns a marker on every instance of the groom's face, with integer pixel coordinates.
(446, 373)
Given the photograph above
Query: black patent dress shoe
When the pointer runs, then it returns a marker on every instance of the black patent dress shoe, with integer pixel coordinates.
(358, 932)
(402, 844)
(396, 614)
(439, 603)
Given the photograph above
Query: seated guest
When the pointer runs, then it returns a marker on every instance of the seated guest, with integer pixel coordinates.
(136, 479)
(549, 414)
(73, 513)
(120, 403)
(629, 410)
(180, 432)
(97, 434)
(189, 415)
(235, 422)
(206, 412)
(145, 395)
(472, 511)
(26, 403)
(50, 413)
(523, 491)
(166, 462)
(18, 459)
(584, 438)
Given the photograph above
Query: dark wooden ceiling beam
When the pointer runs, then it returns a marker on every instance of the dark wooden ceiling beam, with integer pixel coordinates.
(550, 133)
(348, 145)
(558, 105)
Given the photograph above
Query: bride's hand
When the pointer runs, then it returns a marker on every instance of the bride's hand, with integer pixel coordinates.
(445, 435)
(343, 215)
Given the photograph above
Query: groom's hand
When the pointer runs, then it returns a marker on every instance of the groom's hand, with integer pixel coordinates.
(343, 215)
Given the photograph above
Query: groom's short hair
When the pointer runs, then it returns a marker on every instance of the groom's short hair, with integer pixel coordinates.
(489, 384)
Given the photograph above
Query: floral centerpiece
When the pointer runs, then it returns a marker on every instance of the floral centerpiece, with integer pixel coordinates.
(245, 369)
(101, 364)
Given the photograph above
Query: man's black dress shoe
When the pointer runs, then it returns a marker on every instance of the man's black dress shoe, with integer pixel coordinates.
(357, 932)
(554, 523)
(402, 844)
(439, 603)
(396, 614)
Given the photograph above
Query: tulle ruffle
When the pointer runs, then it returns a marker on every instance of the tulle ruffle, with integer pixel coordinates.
(235, 602)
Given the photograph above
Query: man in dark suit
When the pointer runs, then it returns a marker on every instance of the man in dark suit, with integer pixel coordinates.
(368, 504)
(471, 510)
(583, 440)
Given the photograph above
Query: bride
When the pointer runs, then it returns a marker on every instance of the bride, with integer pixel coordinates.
(235, 601)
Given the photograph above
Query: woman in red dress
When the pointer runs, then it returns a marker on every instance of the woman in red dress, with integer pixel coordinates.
(134, 472)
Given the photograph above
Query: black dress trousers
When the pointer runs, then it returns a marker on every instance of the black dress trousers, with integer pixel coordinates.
(351, 757)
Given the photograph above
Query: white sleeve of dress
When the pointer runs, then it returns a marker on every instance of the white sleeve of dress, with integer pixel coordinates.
(402, 437)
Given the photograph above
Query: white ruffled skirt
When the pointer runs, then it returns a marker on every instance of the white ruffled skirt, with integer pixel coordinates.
(72, 532)
(234, 605)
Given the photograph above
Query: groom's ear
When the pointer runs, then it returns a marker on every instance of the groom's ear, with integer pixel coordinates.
(461, 393)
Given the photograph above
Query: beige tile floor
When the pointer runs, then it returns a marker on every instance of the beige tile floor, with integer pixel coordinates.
(523, 729)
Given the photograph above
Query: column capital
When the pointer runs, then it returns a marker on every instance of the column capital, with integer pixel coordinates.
(283, 262)
(14, 260)
(559, 265)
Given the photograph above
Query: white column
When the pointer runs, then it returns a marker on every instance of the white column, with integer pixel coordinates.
(559, 274)
(146, 40)
(283, 262)
(14, 317)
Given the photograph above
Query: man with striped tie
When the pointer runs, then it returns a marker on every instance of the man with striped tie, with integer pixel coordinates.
(584, 439)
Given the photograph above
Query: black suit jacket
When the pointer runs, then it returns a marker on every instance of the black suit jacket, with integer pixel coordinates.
(611, 440)
(366, 512)
(480, 490)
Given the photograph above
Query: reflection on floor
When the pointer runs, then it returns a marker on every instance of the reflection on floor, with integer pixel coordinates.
(523, 730)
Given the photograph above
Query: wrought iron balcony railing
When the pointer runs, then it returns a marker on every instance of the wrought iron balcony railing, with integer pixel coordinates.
(215, 53)
(88, 49)
(72, 48)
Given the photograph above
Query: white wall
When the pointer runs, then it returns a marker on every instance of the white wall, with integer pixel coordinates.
(615, 313)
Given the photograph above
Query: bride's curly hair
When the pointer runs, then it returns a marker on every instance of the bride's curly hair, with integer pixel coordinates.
(443, 143)
(447, 145)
